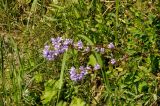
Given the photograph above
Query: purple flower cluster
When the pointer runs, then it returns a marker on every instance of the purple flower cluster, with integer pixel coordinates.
(75, 76)
(59, 46)
(47, 53)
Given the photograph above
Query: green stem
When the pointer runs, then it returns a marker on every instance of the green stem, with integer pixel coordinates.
(62, 73)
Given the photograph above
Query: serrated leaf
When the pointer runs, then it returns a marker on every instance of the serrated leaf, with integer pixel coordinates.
(51, 91)
(48, 95)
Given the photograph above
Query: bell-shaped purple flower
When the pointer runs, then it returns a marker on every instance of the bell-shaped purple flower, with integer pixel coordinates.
(87, 49)
(80, 44)
(102, 50)
(113, 61)
(111, 46)
(97, 67)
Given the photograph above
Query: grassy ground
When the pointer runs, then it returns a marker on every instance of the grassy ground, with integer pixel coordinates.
(27, 78)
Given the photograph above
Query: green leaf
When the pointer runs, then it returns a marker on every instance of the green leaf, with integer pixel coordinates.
(155, 97)
(77, 102)
(55, 1)
(48, 95)
(119, 69)
(143, 68)
(141, 86)
(137, 78)
(86, 38)
(51, 90)
(76, 13)
(138, 96)
(92, 60)
(99, 59)
(98, 18)
(62, 103)
(34, 5)
(38, 78)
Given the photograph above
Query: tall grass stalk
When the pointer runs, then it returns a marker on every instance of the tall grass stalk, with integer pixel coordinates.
(2, 71)
(117, 11)
(62, 74)
(20, 72)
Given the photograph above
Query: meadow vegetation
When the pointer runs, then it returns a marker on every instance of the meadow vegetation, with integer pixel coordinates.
(79, 52)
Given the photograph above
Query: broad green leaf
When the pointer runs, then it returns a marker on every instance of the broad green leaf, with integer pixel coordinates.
(62, 103)
(51, 91)
(77, 102)
(48, 95)
(92, 60)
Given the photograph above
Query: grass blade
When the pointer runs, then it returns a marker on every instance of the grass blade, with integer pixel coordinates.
(62, 74)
